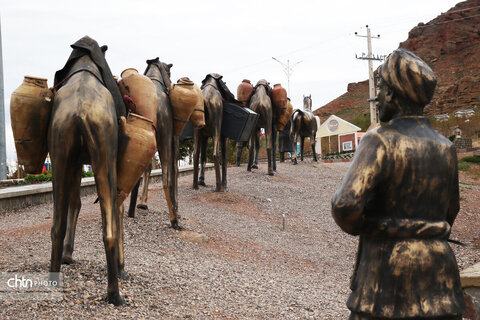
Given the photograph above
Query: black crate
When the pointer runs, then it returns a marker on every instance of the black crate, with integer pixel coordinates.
(238, 122)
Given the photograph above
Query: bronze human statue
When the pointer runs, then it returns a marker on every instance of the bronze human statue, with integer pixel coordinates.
(401, 196)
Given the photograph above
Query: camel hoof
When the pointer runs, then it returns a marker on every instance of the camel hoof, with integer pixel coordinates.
(202, 183)
(66, 259)
(174, 225)
(254, 166)
(115, 298)
(142, 206)
(122, 274)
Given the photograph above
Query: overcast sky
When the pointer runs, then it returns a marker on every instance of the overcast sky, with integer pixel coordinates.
(236, 39)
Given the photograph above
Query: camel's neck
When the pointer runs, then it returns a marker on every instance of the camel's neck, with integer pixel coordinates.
(85, 62)
(155, 74)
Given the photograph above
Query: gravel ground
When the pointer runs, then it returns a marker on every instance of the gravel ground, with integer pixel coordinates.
(232, 260)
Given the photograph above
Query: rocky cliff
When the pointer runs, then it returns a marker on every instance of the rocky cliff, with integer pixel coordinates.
(450, 44)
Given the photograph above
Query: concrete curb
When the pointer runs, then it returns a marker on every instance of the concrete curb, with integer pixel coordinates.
(336, 160)
(18, 197)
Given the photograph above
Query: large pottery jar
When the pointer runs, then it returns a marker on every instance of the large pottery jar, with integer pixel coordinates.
(142, 92)
(244, 92)
(198, 115)
(136, 147)
(279, 100)
(30, 109)
(283, 119)
(184, 97)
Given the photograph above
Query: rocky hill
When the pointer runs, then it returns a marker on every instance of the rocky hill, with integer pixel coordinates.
(450, 44)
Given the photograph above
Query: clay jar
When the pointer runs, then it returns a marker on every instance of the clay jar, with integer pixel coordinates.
(283, 119)
(142, 91)
(198, 115)
(30, 109)
(184, 97)
(279, 100)
(136, 147)
(244, 92)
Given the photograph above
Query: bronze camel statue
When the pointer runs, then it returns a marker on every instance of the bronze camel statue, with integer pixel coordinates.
(214, 91)
(167, 143)
(304, 125)
(261, 103)
(84, 129)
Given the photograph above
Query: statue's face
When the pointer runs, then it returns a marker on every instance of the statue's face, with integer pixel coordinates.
(385, 104)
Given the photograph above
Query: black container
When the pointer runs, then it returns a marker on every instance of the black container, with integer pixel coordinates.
(187, 132)
(238, 122)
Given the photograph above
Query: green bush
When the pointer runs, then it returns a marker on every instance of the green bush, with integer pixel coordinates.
(472, 159)
(87, 174)
(36, 178)
(463, 165)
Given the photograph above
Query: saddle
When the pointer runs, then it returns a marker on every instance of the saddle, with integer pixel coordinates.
(227, 95)
(87, 45)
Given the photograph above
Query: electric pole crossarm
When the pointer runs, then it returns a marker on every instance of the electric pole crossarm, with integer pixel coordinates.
(288, 69)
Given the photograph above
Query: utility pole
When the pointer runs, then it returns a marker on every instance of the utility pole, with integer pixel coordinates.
(3, 152)
(288, 69)
(371, 82)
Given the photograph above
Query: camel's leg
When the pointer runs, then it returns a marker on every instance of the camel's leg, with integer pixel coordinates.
(223, 147)
(294, 153)
(302, 143)
(73, 211)
(146, 181)
(121, 258)
(216, 138)
(168, 160)
(105, 170)
(257, 150)
(312, 140)
(62, 145)
(269, 137)
(239, 153)
(203, 160)
(133, 199)
(274, 148)
(251, 151)
(62, 182)
(175, 151)
(196, 157)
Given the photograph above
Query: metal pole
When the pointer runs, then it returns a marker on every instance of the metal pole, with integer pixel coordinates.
(371, 83)
(3, 152)
(288, 71)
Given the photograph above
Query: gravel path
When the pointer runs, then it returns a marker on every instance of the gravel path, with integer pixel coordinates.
(232, 260)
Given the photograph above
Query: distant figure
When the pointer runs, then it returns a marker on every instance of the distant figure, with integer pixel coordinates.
(401, 196)
(285, 144)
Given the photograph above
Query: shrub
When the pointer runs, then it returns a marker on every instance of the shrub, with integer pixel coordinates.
(472, 159)
(36, 178)
(87, 174)
(463, 165)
